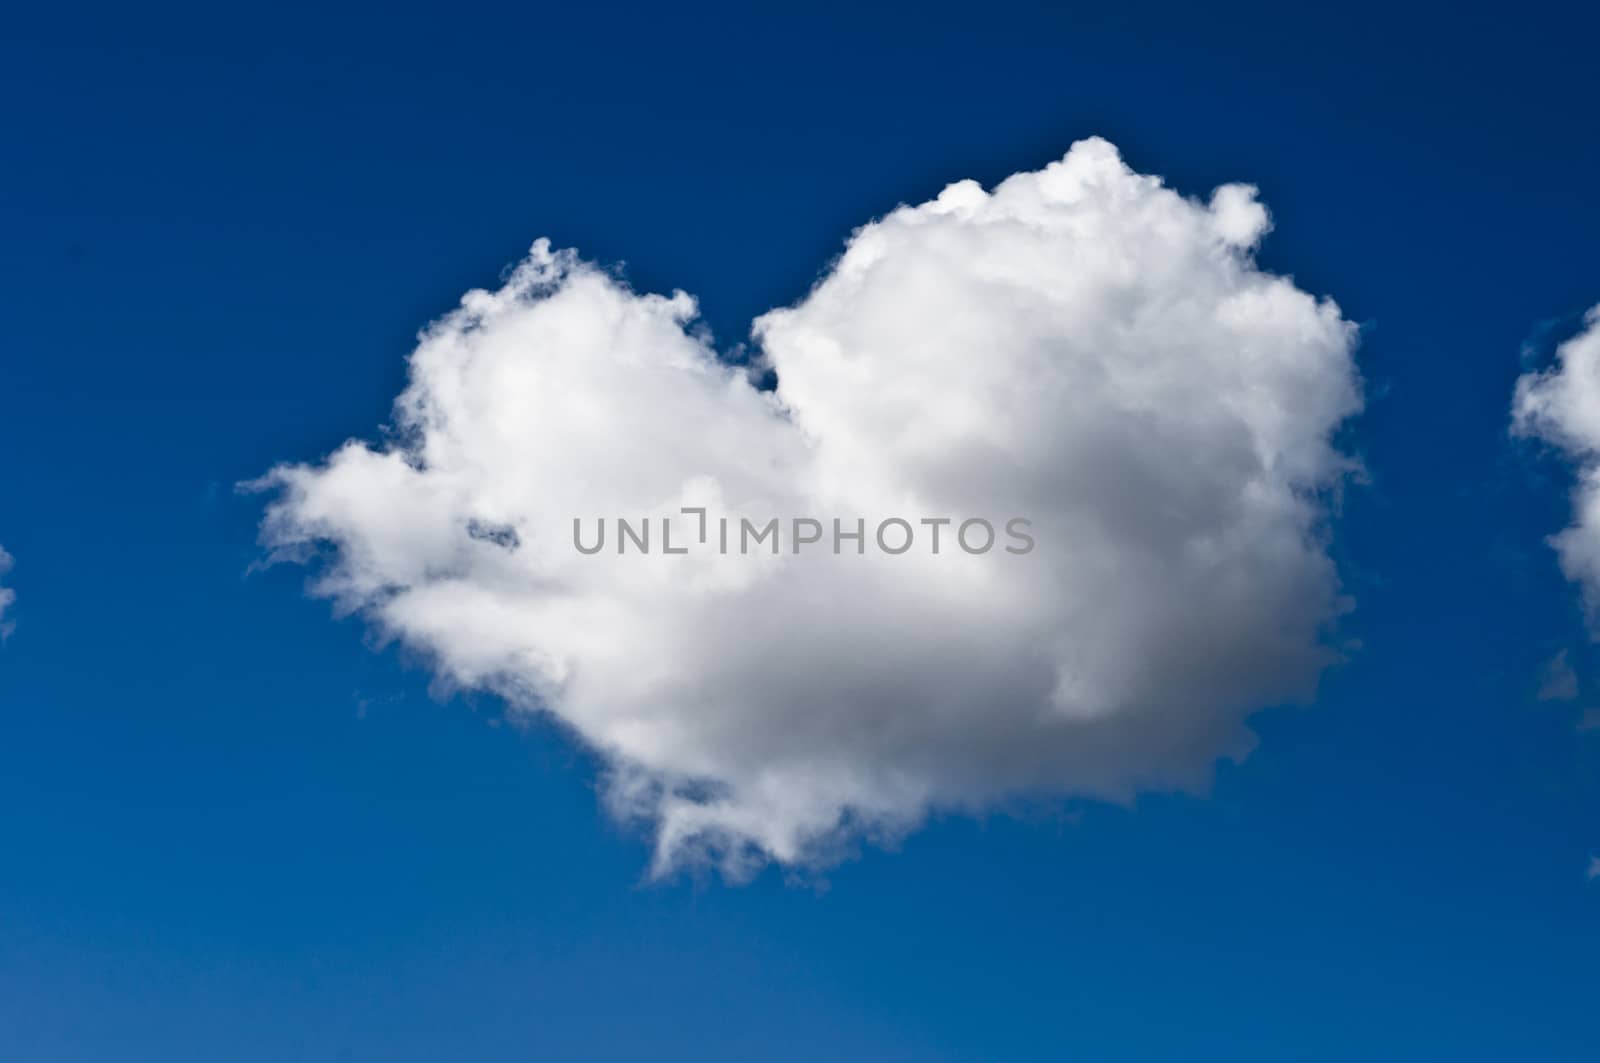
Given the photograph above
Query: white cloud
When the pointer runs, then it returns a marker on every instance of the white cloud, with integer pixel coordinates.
(1561, 406)
(1080, 346)
(8, 597)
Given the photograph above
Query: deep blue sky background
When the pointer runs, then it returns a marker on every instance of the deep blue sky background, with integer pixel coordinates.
(230, 830)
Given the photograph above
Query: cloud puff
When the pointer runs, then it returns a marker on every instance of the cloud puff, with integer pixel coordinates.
(1080, 347)
(7, 597)
(1560, 405)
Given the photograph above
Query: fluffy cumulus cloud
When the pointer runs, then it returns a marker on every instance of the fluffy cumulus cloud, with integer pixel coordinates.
(1079, 347)
(7, 597)
(1560, 405)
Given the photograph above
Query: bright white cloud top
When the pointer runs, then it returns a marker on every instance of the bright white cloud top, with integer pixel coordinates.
(1561, 406)
(1080, 346)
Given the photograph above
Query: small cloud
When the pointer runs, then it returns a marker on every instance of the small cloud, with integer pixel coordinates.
(1589, 721)
(1594, 868)
(8, 597)
(1558, 681)
(1558, 406)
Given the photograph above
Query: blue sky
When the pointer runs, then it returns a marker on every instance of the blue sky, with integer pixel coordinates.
(231, 827)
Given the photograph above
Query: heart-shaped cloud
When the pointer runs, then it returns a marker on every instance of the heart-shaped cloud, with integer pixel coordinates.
(1081, 348)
